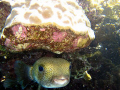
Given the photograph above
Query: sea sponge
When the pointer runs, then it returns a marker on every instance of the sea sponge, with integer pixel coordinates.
(46, 24)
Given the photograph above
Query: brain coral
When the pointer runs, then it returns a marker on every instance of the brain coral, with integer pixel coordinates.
(55, 25)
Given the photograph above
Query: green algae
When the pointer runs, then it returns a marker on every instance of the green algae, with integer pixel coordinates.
(3, 51)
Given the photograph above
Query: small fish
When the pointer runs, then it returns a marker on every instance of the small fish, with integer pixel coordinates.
(87, 76)
(47, 72)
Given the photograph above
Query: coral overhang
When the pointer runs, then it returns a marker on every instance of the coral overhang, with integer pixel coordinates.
(55, 25)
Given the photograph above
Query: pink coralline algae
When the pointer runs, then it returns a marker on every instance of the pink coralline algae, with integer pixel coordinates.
(59, 36)
(19, 31)
(7, 42)
(42, 29)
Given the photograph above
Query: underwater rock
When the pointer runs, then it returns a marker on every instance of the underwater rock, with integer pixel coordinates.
(54, 25)
(4, 12)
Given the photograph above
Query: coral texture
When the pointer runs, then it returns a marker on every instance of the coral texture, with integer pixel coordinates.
(55, 25)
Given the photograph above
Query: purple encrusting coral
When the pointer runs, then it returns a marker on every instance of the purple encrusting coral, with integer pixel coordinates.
(19, 31)
(59, 36)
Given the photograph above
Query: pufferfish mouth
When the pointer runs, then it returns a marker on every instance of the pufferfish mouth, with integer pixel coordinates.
(57, 81)
(61, 80)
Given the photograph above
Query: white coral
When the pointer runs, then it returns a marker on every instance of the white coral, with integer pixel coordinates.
(64, 14)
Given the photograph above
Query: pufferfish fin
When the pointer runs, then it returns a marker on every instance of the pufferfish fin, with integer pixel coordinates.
(8, 83)
(39, 87)
(22, 72)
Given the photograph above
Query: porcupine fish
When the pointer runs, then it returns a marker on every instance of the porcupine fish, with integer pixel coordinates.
(47, 72)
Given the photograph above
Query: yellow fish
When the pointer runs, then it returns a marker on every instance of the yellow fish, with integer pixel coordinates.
(47, 72)
(87, 76)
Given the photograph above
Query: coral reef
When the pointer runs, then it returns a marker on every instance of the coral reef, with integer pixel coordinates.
(101, 59)
(58, 26)
(107, 27)
(4, 12)
(3, 51)
(93, 10)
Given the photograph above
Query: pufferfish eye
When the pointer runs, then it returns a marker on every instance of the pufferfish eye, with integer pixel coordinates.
(41, 68)
(70, 67)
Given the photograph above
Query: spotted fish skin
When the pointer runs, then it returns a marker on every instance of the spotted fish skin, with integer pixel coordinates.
(47, 71)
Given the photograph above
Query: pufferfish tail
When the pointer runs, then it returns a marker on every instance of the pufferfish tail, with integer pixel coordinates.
(22, 72)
